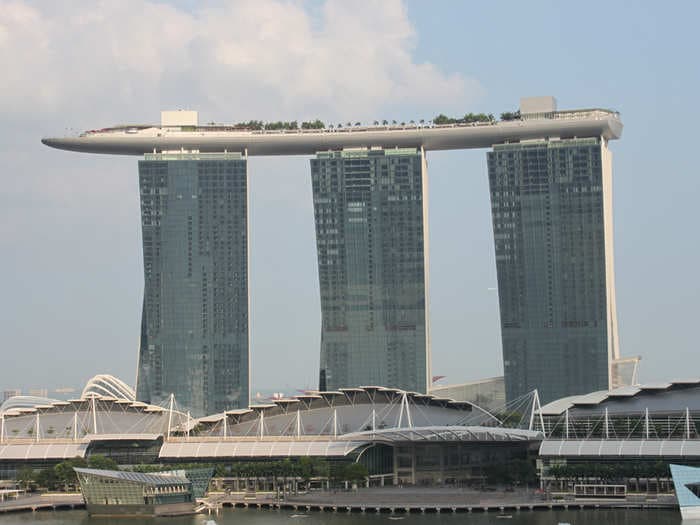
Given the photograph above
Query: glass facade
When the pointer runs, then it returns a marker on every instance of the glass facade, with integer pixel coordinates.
(371, 234)
(552, 222)
(194, 330)
(114, 488)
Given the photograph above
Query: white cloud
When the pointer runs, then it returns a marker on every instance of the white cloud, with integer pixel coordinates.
(248, 59)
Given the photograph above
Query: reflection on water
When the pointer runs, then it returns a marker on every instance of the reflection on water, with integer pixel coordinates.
(273, 517)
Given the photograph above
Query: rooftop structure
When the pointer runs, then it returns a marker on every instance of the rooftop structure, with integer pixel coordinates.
(169, 136)
(108, 385)
(662, 397)
(368, 424)
(650, 422)
(489, 393)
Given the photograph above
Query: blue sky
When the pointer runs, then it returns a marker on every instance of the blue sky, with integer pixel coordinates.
(69, 223)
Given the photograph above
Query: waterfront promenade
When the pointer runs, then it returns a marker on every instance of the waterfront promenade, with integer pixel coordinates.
(426, 500)
(36, 502)
(389, 500)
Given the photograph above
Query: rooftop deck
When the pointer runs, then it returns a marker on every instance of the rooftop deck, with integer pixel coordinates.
(141, 139)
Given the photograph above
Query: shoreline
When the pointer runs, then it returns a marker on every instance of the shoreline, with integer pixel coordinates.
(44, 502)
(396, 501)
(416, 500)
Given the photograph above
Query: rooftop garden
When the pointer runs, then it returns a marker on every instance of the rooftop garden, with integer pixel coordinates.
(439, 120)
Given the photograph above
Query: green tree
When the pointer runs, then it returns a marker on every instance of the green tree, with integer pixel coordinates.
(442, 119)
(313, 124)
(306, 468)
(510, 115)
(25, 477)
(99, 461)
(65, 475)
(355, 472)
(47, 478)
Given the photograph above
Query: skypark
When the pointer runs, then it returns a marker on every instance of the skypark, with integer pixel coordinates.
(179, 130)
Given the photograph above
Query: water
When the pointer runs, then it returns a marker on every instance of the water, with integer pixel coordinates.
(273, 517)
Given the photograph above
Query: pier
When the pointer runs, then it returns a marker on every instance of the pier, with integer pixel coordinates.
(427, 501)
(43, 502)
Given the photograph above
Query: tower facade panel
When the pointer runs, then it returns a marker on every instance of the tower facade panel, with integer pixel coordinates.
(194, 329)
(371, 213)
(552, 223)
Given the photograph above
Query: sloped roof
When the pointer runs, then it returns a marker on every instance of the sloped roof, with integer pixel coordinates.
(36, 451)
(560, 406)
(135, 477)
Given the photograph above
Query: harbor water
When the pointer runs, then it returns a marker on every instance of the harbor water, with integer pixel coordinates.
(275, 517)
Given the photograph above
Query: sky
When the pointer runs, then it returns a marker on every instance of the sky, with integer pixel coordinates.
(70, 241)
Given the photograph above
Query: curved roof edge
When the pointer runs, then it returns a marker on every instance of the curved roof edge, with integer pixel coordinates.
(303, 142)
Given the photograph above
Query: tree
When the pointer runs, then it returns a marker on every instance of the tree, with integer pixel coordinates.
(99, 461)
(65, 475)
(510, 115)
(306, 468)
(313, 124)
(47, 478)
(385, 122)
(355, 472)
(25, 477)
(441, 120)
